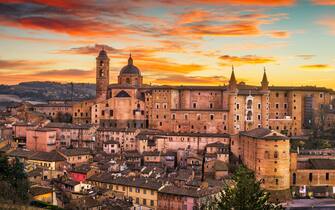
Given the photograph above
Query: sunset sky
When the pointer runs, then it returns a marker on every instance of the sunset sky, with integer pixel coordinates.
(171, 41)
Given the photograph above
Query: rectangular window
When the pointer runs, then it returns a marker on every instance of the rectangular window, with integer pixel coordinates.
(152, 203)
(237, 106)
(194, 105)
(111, 113)
(259, 106)
(144, 201)
(277, 106)
(327, 176)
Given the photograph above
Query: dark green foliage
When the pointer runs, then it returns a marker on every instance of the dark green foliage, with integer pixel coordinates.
(244, 195)
(64, 117)
(14, 184)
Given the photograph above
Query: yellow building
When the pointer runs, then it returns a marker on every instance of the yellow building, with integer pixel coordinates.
(43, 194)
(142, 191)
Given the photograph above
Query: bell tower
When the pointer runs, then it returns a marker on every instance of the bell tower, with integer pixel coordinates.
(102, 75)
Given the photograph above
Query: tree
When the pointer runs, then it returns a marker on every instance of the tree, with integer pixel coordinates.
(13, 181)
(245, 194)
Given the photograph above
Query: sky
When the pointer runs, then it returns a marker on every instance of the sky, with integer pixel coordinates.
(172, 42)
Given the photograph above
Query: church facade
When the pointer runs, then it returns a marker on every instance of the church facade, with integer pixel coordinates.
(199, 109)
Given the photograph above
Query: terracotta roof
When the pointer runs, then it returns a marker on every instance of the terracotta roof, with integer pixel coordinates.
(316, 164)
(117, 129)
(217, 144)
(47, 156)
(83, 169)
(38, 190)
(264, 133)
(111, 142)
(130, 154)
(189, 191)
(141, 182)
(35, 172)
(67, 125)
(76, 152)
(143, 134)
(300, 88)
(21, 153)
(43, 129)
(151, 153)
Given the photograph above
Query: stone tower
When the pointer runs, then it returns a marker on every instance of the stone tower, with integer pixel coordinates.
(265, 107)
(102, 75)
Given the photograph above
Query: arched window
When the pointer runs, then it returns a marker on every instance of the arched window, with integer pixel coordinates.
(249, 104)
(294, 177)
(275, 154)
(310, 177)
(266, 155)
(102, 72)
(249, 115)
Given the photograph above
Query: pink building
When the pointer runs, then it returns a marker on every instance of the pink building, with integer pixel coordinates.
(111, 147)
(41, 139)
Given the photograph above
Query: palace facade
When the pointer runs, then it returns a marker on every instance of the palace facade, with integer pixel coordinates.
(200, 109)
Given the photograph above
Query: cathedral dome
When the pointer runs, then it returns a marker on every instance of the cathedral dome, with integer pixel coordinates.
(130, 68)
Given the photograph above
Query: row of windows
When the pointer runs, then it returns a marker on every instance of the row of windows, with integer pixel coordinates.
(211, 116)
(310, 177)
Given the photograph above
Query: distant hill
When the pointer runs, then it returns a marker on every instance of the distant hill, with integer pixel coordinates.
(43, 91)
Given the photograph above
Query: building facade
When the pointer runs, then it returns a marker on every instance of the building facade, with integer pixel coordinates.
(205, 109)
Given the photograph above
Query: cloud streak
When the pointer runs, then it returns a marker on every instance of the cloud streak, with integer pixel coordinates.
(244, 60)
(316, 67)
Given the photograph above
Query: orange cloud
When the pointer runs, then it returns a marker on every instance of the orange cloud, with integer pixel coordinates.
(316, 66)
(324, 2)
(73, 27)
(65, 75)
(160, 66)
(306, 56)
(248, 59)
(266, 3)
(190, 80)
(198, 23)
(329, 23)
(23, 64)
(280, 34)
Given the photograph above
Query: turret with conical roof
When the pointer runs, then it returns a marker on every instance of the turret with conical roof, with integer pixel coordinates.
(265, 82)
